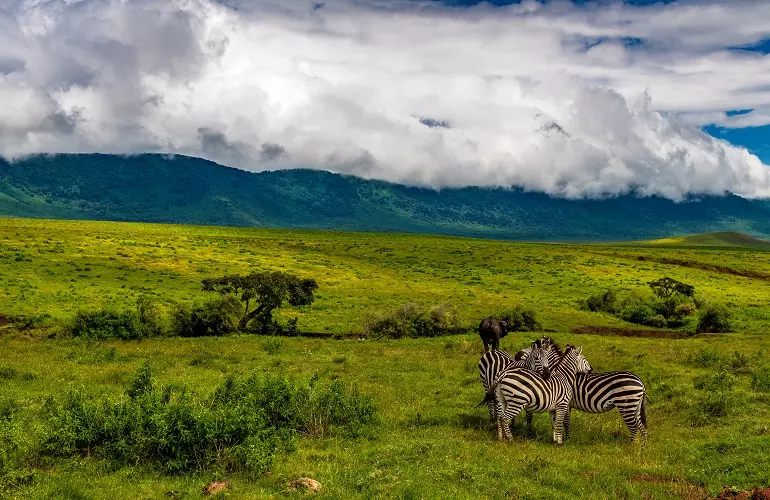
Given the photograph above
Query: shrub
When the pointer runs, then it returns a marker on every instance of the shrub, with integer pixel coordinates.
(150, 317)
(641, 313)
(605, 302)
(240, 427)
(409, 320)
(106, 324)
(716, 318)
(520, 319)
(213, 318)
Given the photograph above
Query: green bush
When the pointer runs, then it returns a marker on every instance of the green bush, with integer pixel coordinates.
(213, 318)
(150, 317)
(240, 427)
(641, 313)
(605, 302)
(409, 320)
(520, 319)
(106, 324)
(716, 318)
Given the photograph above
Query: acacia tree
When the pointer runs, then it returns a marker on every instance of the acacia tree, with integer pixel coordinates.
(666, 287)
(263, 292)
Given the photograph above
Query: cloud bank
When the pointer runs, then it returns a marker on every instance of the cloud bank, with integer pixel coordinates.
(575, 101)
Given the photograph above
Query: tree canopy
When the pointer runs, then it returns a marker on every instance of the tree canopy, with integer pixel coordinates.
(666, 287)
(262, 292)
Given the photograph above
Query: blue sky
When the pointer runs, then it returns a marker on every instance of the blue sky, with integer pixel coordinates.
(575, 99)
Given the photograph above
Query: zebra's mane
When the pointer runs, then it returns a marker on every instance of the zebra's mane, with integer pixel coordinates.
(561, 357)
(556, 347)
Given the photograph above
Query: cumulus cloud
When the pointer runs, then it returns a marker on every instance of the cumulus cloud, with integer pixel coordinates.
(572, 100)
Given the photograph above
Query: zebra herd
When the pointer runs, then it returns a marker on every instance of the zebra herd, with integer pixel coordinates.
(543, 378)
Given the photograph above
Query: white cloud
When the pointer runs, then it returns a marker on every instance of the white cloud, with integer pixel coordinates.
(551, 97)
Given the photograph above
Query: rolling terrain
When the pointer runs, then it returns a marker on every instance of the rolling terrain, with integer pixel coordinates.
(158, 188)
(429, 441)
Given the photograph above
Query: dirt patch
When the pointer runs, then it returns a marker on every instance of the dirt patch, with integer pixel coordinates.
(4, 320)
(755, 494)
(629, 332)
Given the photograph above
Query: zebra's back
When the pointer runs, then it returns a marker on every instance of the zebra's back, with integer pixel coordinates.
(601, 392)
(530, 391)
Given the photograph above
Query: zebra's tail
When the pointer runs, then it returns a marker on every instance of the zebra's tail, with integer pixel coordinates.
(488, 398)
(643, 412)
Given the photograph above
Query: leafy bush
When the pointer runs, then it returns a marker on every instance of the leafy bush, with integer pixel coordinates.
(213, 318)
(716, 318)
(605, 302)
(520, 319)
(150, 317)
(641, 313)
(106, 324)
(240, 427)
(409, 320)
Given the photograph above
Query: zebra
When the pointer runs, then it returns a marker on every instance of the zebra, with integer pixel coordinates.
(492, 363)
(516, 389)
(601, 392)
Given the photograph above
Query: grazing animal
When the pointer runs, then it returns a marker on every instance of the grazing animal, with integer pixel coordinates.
(491, 330)
(517, 389)
(494, 362)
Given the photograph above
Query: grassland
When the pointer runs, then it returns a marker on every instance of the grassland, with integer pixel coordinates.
(430, 442)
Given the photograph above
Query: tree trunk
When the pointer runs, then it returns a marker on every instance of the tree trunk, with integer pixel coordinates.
(249, 316)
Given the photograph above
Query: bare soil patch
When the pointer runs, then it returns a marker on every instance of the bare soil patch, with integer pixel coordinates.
(4, 320)
(629, 332)
(754, 494)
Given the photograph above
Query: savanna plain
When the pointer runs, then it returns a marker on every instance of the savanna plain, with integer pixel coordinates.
(708, 394)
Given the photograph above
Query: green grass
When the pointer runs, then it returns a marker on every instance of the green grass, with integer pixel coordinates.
(430, 441)
(715, 240)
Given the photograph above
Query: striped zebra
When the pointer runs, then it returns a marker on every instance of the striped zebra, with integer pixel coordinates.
(517, 389)
(601, 392)
(492, 363)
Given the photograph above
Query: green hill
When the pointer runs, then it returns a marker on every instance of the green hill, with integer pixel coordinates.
(723, 239)
(159, 188)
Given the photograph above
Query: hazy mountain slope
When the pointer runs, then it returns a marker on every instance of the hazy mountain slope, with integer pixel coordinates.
(714, 240)
(191, 190)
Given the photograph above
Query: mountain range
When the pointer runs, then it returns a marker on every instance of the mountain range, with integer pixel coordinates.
(181, 189)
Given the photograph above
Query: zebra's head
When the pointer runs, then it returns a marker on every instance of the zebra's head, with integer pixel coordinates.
(583, 366)
(537, 360)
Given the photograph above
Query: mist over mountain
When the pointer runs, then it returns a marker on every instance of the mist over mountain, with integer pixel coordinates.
(158, 188)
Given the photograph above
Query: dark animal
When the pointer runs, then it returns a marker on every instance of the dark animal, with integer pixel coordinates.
(491, 330)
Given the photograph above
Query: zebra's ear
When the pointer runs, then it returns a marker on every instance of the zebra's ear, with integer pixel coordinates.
(580, 350)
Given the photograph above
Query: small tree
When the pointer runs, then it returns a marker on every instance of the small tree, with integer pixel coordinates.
(262, 293)
(666, 287)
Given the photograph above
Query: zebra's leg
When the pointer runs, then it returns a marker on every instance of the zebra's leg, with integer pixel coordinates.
(510, 413)
(630, 417)
(553, 424)
(567, 429)
(492, 413)
(529, 419)
(558, 428)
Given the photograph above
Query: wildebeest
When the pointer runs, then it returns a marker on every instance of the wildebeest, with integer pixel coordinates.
(491, 330)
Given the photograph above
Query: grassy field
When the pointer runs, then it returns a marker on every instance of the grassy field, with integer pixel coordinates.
(430, 442)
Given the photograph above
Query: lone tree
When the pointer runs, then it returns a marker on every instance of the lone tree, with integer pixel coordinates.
(666, 287)
(262, 292)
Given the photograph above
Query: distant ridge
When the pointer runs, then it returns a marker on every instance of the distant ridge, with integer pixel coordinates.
(724, 239)
(181, 189)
